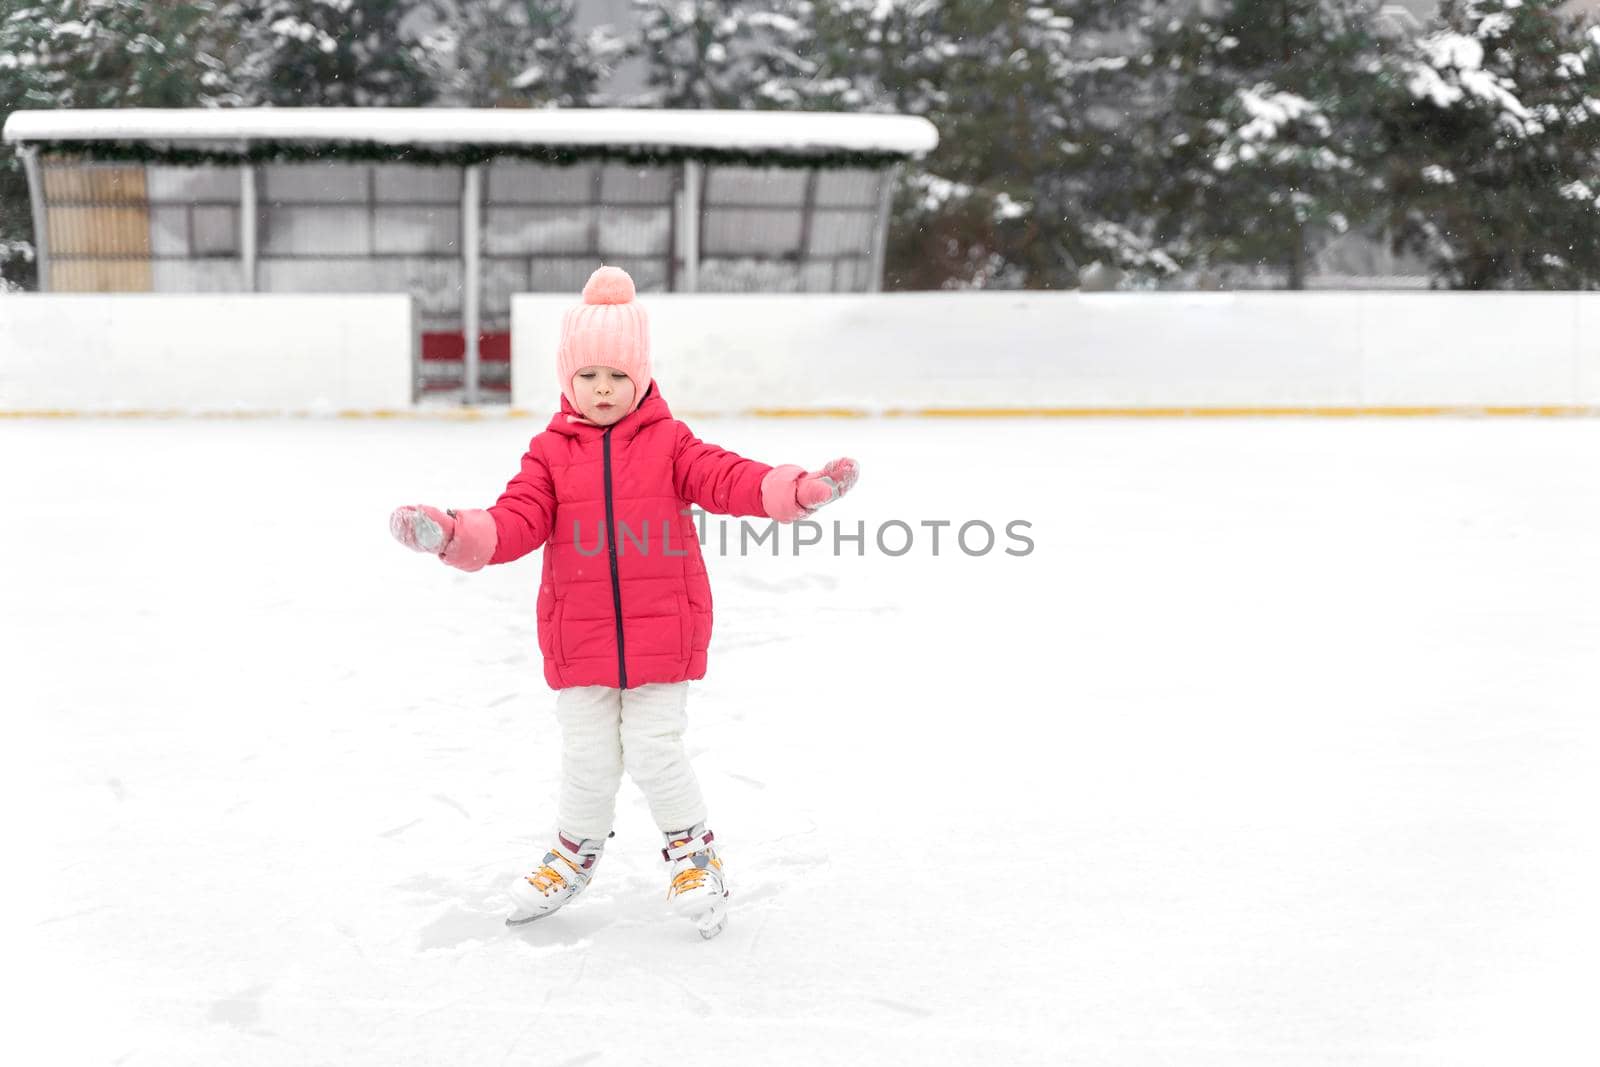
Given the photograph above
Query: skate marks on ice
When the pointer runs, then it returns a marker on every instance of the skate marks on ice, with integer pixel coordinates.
(465, 910)
(900, 1007)
(447, 802)
(763, 870)
(458, 926)
(580, 1059)
(398, 830)
(241, 1011)
(69, 916)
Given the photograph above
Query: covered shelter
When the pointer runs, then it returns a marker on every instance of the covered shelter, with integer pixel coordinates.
(460, 207)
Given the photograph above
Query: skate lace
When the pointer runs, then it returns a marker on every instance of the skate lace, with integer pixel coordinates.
(547, 878)
(692, 877)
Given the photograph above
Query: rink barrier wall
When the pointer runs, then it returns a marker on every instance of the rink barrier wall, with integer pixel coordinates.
(469, 414)
(1070, 354)
(924, 355)
(147, 354)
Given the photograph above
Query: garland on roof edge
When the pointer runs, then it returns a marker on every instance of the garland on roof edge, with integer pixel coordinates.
(459, 155)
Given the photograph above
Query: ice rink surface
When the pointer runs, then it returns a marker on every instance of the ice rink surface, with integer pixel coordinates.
(1278, 749)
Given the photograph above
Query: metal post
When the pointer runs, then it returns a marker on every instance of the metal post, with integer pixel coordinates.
(248, 249)
(808, 212)
(471, 196)
(673, 229)
(689, 226)
(595, 204)
(416, 347)
(880, 233)
(41, 231)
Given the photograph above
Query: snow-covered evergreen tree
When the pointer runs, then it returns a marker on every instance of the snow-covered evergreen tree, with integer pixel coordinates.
(1024, 97)
(1259, 146)
(333, 53)
(1493, 146)
(495, 53)
(18, 85)
(723, 53)
(877, 55)
(98, 53)
(115, 53)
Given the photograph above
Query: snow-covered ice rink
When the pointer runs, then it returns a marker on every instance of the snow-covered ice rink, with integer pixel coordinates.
(1279, 749)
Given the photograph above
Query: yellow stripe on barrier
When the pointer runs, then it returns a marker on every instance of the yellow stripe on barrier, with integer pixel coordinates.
(1306, 411)
(1249, 412)
(443, 414)
(480, 414)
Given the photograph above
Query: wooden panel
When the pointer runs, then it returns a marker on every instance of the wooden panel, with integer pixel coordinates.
(100, 275)
(99, 228)
(97, 185)
(99, 231)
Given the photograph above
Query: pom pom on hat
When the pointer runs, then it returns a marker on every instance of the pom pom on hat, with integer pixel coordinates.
(608, 285)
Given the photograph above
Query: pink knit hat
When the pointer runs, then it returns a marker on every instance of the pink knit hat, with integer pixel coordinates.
(609, 329)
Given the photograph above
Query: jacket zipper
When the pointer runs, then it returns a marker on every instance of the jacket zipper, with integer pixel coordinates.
(611, 552)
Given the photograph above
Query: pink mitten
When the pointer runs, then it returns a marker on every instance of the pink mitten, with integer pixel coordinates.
(463, 539)
(827, 485)
(789, 493)
(422, 529)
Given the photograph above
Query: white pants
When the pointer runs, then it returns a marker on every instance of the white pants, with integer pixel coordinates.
(605, 731)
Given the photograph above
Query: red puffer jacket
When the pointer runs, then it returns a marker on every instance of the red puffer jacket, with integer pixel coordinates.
(624, 599)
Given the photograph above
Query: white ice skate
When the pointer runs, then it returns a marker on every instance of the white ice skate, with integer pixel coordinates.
(699, 891)
(562, 875)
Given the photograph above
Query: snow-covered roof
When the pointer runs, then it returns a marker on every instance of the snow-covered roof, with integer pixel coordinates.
(798, 131)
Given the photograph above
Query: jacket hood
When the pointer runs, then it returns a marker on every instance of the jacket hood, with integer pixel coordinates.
(569, 421)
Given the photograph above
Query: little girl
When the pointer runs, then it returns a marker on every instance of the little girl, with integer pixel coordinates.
(624, 601)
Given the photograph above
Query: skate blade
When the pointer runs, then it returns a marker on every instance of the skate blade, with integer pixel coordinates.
(524, 921)
(711, 922)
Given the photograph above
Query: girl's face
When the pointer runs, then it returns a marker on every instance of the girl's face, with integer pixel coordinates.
(604, 394)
